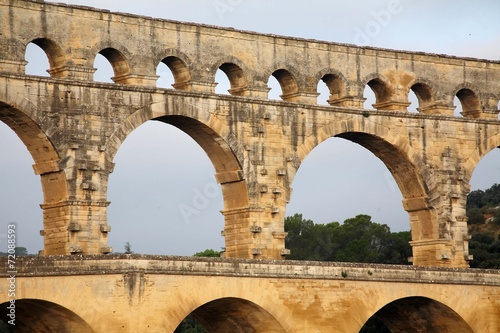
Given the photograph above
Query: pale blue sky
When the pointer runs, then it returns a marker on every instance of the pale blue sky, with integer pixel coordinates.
(338, 180)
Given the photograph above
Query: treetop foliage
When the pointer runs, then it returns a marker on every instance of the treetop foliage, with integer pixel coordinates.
(358, 239)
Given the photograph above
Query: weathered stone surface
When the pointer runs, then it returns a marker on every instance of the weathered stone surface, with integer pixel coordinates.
(138, 293)
(73, 127)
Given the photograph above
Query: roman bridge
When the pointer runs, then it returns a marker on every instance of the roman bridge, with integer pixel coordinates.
(73, 126)
(137, 293)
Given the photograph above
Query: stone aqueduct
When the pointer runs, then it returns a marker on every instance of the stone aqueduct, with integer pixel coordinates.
(73, 126)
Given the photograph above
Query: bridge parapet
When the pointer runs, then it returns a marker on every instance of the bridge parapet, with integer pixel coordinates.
(30, 266)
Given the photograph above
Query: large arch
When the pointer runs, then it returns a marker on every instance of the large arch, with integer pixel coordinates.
(39, 316)
(236, 315)
(46, 158)
(485, 145)
(402, 162)
(421, 314)
(224, 152)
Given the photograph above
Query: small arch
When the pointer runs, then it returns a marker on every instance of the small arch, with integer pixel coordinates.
(288, 84)
(380, 89)
(237, 78)
(236, 315)
(180, 72)
(336, 86)
(422, 94)
(470, 103)
(118, 62)
(39, 316)
(38, 63)
(54, 53)
(421, 314)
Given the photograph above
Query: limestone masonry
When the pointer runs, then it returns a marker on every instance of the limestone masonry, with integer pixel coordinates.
(73, 127)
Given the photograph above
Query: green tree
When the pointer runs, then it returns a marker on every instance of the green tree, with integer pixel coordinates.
(485, 251)
(208, 253)
(21, 251)
(358, 239)
(128, 248)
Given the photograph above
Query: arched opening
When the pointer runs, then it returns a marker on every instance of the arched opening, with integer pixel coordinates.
(38, 316)
(223, 85)
(20, 192)
(380, 91)
(419, 96)
(178, 70)
(236, 77)
(235, 315)
(288, 84)
(469, 102)
(165, 77)
(418, 314)
(370, 98)
(275, 89)
(38, 62)
(45, 157)
(118, 62)
(44, 56)
(104, 70)
(340, 179)
(413, 99)
(190, 212)
(330, 88)
(458, 107)
(483, 213)
(168, 179)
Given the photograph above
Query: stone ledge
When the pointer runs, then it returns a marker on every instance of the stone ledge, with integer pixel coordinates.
(296, 106)
(33, 266)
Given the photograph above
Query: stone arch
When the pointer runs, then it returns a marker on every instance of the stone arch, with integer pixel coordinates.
(237, 76)
(421, 314)
(39, 316)
(486, 144)
(179, 70)
(47, 165)
(425, 92)
(221, 147)
(236, 315)
(288, 83)
(180, 65)
(120, 64)
(336, 83)
(469, 99)
(404, 164)
(55, 54)
(380, 86)
(39, 145)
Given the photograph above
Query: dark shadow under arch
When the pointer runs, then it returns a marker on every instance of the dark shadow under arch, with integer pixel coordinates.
(421, 314)
(237, 78)
(288, 83)
(180, 72)
(118, 61)
(55, 55)
(470, 102)
(39, 316)
(236, 315)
